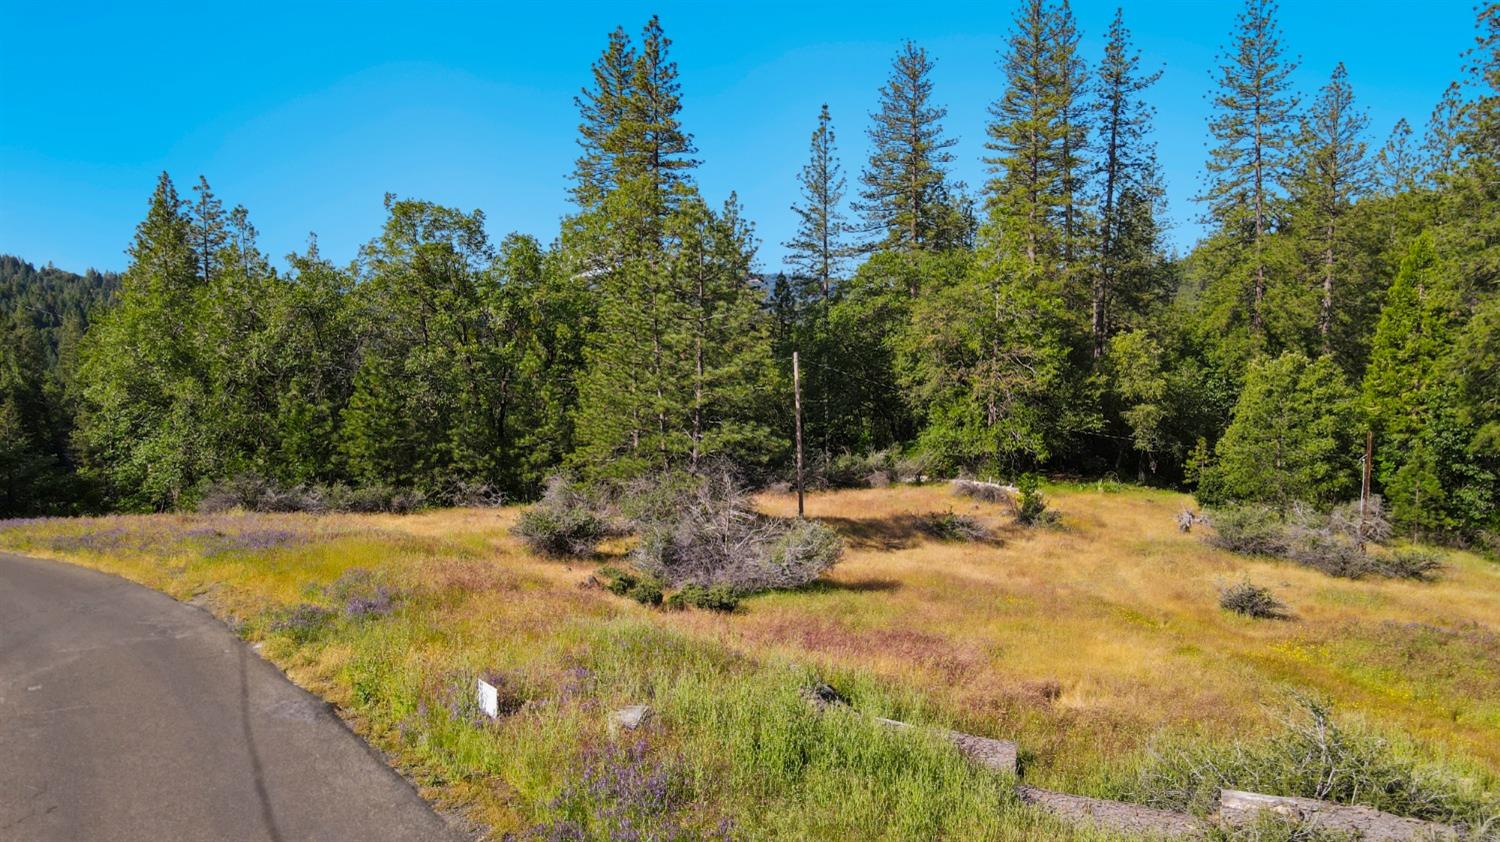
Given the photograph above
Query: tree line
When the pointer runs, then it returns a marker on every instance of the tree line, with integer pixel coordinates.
(1035, 321)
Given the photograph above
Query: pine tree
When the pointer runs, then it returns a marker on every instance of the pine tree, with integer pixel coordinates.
(818, 250)
(1253, 131)
(1440, 145)
(1130, 190)
(904, 197)
(652, 144)
(1334, 173)
(1397, 167)
(1027, 135)
(209, 229)
(602, 111)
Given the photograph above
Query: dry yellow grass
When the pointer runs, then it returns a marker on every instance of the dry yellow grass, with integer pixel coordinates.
(1084, 641)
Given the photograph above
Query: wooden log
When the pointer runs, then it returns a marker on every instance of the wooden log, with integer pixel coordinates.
(1365, 823)
(995, 755)
(1115, 816)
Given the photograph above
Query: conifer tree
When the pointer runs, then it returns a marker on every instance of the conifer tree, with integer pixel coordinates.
(1440, 145)
(143, 396)
(602, 112)
(1027, 135)
(1253, 131)
(652, 144)
(1333, 174)
(1397, 167)
(209, 229)
(1291, 436)
(818, 249)
(904, 200)
(1130, 190)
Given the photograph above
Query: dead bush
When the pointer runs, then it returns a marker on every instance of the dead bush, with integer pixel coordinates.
(1252, 601)
(989, 492)
(716, 538)
(949, 526)
(1332, 542)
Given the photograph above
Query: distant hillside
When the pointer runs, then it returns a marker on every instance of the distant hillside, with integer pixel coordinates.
(52, 300)
(43, 316)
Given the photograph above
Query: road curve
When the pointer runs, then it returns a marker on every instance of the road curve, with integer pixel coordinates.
(125, 715)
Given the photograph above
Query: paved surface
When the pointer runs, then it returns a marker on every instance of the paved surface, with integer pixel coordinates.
(125, 715)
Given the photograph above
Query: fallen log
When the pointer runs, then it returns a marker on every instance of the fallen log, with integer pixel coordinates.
(1365, 823)
(995, 755)
(1114, 815)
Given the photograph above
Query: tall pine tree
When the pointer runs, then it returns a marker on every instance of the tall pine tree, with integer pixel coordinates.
(1253, 130)
(906, 202)
(818, 249)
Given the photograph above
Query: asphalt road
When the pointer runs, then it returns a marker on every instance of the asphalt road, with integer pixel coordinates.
(125, 715)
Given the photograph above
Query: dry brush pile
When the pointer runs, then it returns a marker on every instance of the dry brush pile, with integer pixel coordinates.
(699, 535)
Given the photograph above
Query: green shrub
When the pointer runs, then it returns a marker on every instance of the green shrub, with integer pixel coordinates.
(1248, 530)
(717, 598)
(646, 592)
(1419, 564)
(562, 523)
(1031, 506)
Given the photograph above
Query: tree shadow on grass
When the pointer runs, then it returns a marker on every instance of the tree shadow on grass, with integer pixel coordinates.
(893, 532)
(870, 585)
(906, 530)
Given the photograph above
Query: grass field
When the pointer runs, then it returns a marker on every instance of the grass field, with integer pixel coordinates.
(1091, 643)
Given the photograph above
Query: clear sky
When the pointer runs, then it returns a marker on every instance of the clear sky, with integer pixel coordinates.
(308, 116)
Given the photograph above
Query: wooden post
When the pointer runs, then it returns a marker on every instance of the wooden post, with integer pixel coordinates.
(1364, 485)
(797, 401)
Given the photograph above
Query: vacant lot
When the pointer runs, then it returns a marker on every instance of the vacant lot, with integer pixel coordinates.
(1093, 643)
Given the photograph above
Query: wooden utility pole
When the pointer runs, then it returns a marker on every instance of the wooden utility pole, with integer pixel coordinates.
(1364, 485)
(797, 402)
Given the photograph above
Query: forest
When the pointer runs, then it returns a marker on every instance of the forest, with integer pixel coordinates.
(1033, 323)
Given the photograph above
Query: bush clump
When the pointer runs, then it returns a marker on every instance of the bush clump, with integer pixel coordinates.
(717, 598)
(1311, 755)
(989, 492)
(1252, 601)
(563, 523)
(1031, 506)
(955, 527)
(1334, 542)
(715, 537)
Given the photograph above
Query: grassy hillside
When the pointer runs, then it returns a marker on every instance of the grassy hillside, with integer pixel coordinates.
(1094, 643)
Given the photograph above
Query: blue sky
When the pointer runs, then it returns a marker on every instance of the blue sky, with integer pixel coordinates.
(309, 115)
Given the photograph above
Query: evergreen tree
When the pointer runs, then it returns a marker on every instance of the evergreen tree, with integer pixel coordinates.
(1440, 145)
(1028, 134)
(818, 250)
(1253, 132)
(602, 112)
(652, 144)
(143, 417)
(1130, 192)
(209, 229)
(905, 202)
(1397, 168)
(1333, 174)
(1291, 437)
